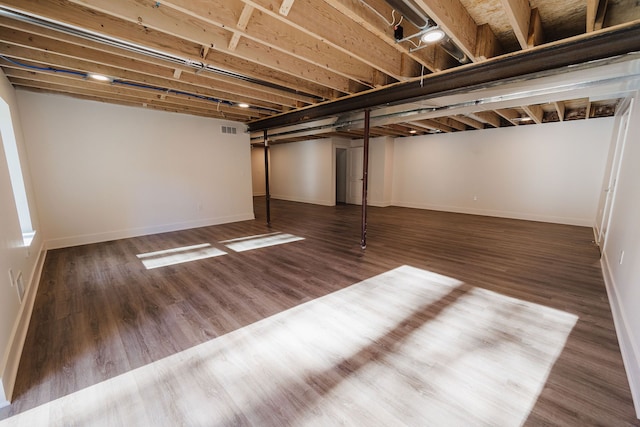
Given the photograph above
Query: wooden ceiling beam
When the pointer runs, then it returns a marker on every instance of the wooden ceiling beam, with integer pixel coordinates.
(536, 33)
(451, 122)
(510, 115)
(519, 14)
(489, 117)
(596, 11)
(487, 44)
(72, 90)
(370, 19)
(120, 101)
(560, 108)
(268, 41)
(551, 57)
(117, 89)
(248, 90)
(67, 13)
(433, 125)
(340, 31)
(142, 74)
(285, 7)
(535, 112)
(243, 21)
(454, 19)
(469, 121)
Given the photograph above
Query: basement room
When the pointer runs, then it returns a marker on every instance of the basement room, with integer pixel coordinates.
(319, 212)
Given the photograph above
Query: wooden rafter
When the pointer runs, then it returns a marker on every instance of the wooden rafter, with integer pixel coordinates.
(452, 16)
(519, 14)
(282, 55)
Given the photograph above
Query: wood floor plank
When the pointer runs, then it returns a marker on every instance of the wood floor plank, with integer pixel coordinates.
(102, 322)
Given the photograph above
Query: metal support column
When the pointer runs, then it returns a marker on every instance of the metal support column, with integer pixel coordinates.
(266, 177)
(365, 180)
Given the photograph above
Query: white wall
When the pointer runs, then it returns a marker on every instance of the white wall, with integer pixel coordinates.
(380, 185)
(303, 172)
(104, 172)
(551, 172)
(257, 171)
(622, 273)
(381, 160)
(14, 255)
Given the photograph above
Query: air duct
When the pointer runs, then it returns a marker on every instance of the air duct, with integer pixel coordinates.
(452, 49)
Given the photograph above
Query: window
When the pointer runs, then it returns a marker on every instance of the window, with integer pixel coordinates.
(15, 172)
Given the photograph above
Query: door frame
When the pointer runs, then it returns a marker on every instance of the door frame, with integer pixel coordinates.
(612, 180)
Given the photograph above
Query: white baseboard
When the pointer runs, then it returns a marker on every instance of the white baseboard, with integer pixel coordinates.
(85, 239)
(310, 201)
(19, 332)
(628, 348)
(584, 222)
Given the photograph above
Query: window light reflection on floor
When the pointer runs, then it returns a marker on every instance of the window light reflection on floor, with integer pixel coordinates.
(248, 243)
(179, 255)
(418, 345)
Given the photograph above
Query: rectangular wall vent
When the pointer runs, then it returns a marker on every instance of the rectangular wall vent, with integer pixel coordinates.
(229, 129)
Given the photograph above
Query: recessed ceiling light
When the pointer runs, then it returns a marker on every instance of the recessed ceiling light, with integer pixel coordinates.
(99, 77)
(243, 105)
(432, 35)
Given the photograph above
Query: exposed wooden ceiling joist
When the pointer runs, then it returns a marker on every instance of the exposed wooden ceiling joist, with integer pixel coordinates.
(581, 49)
(288, 55)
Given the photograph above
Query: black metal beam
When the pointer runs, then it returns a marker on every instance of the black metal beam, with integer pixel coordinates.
(608, 43)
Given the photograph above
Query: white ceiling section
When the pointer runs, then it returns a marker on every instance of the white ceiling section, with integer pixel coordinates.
(207, 58)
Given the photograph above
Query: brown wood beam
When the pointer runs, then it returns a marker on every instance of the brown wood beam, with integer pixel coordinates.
(552, 56)
(489, 117)
(470, 122)
(535, 112)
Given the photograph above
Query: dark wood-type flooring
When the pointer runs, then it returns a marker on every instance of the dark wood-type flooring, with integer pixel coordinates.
(100, 313)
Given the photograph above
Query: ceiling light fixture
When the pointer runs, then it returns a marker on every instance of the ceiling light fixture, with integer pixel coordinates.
(243, 105)
(432, 35)
(413, 131)
(99, 77)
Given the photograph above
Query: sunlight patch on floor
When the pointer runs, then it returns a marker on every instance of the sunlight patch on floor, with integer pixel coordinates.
(406, 347)
(179, 255)
(248, 243)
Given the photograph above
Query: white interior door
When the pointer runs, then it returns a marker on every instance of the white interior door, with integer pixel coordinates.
(354, 170)
(613, 178)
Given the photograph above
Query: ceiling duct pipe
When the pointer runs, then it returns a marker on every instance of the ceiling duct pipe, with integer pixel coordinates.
(452, 49)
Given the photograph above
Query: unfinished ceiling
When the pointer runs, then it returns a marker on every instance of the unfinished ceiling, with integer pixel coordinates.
(214, 57)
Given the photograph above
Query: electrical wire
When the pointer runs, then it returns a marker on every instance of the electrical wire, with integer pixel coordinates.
(379, 14)
(132, 84)
(55, 70)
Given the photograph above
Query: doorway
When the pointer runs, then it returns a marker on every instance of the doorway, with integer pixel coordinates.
(341, 176)
(613, 177)
(354, 192)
